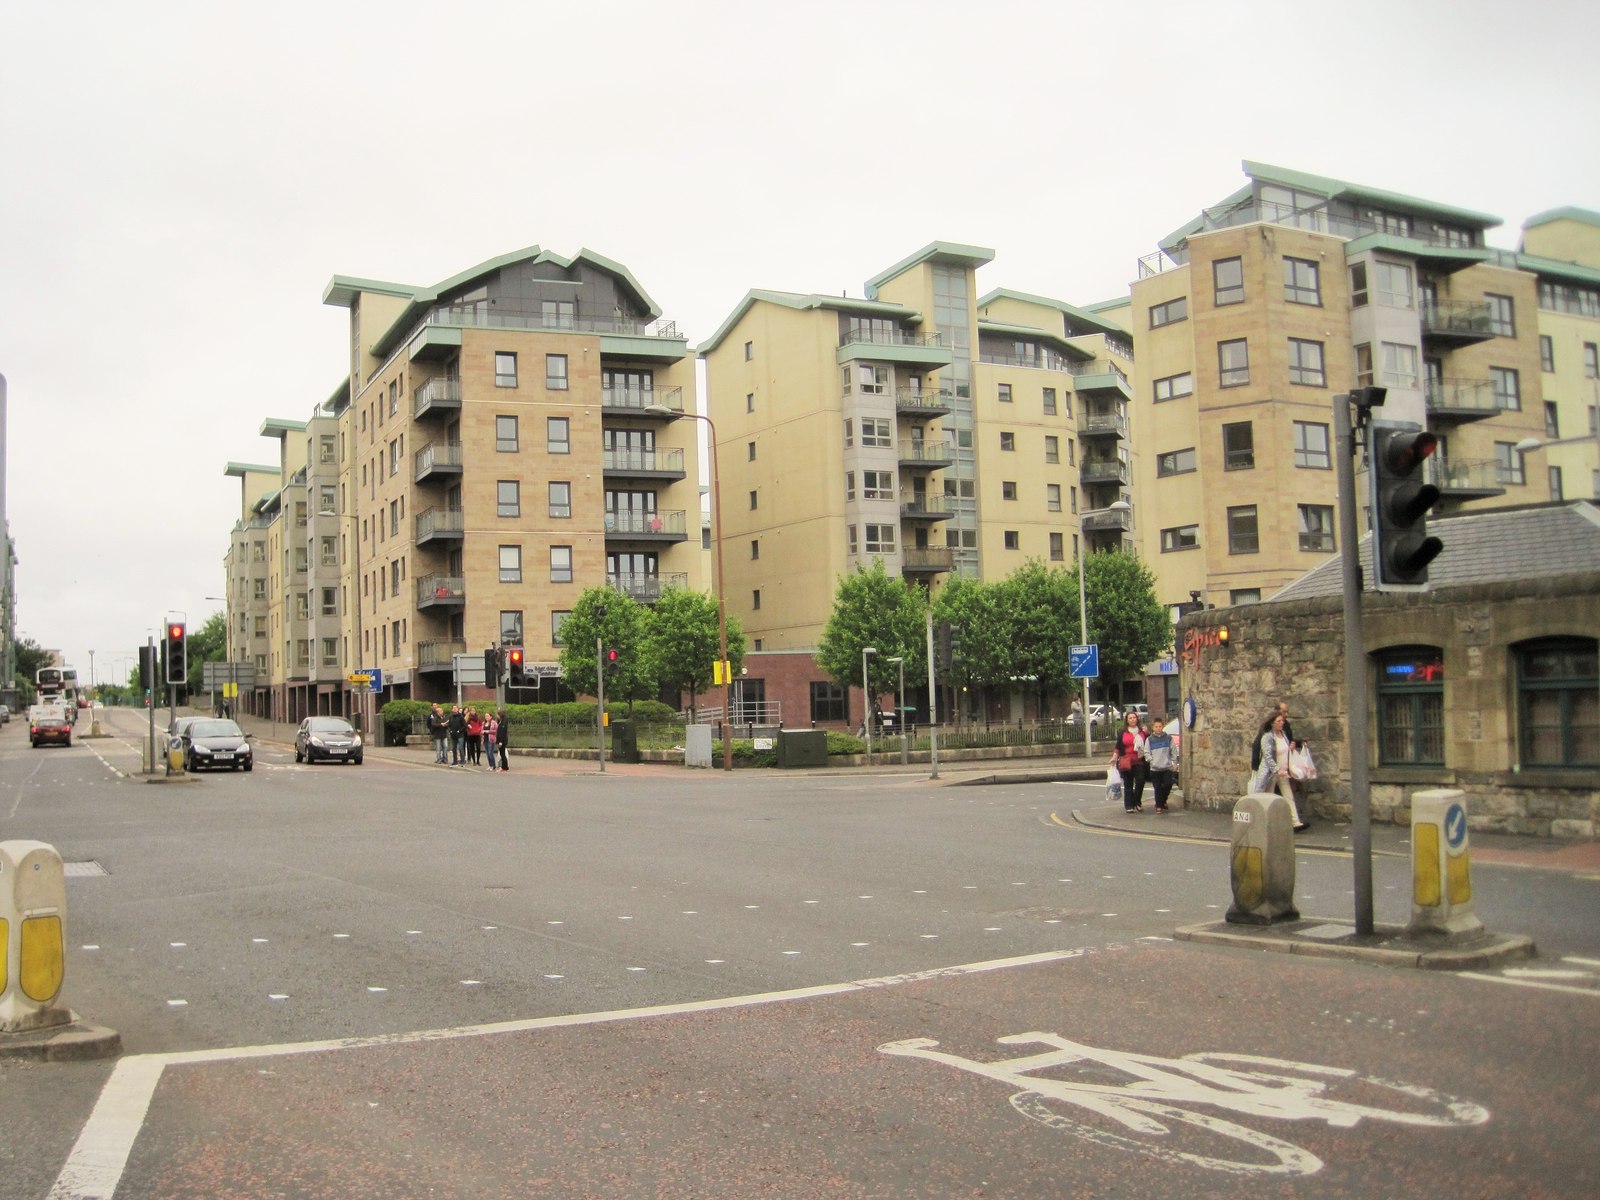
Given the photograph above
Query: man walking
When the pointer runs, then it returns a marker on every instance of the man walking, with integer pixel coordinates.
(439, 728)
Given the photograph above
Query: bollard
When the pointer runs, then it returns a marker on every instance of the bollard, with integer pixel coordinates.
(175, 756)
(1441, 876)
(1262, 861)
(33, 907)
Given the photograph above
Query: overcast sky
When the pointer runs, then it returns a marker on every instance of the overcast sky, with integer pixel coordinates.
(179, 181)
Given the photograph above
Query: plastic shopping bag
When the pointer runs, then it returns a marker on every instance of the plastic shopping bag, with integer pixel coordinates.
(1113, 785)
(1301, 765)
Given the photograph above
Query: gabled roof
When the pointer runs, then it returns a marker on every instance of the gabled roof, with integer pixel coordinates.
(1338, 189)
(949, 252)
(1061, 306)
(802, 301)
(1530, 542)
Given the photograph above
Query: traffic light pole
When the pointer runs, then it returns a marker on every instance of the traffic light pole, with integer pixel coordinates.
(1355, 666)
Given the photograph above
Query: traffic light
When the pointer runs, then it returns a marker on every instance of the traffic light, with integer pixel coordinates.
(1401, 498)
(612, 659)
(941, 644)
(516, 676)
(491, 667)
(177, 653)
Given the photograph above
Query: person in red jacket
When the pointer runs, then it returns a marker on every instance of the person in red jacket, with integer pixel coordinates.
(1129, 759)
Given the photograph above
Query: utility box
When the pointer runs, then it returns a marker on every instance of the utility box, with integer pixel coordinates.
(697, 746)
(802, 748)
(624, 742)
(1441, 875)
(1262, 861)
(33, 913)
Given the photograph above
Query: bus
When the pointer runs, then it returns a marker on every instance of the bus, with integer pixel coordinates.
(58, 685)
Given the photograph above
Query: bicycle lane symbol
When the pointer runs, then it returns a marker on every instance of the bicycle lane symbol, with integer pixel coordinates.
(1154, 1095)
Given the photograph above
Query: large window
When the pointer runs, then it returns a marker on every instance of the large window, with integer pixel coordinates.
(1174, 386)
(1228, 276)
(1410, 706)
(827, 702)
(1238, 446)
(560, 498)
(1393, 283)
(1243, 535)
(1316, 528)
(1358, 285)
(875, 431)
(1181, 537)
(1176, 462)
(1506, 385)
(1302, 284)
(1502, 315)
(1399, 365)
(560, 564)
(508, 498)
(510, 564)
(880, 539)
(1171, 311)
(1305, 363)
(1558, 702)
(1508, 462)
(555, 372)
(558, 435)
(505, 369)
(1311, 445)
(1233, 363)
(505, 435)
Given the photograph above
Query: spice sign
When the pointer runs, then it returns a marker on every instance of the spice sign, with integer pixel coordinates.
(1197, 640)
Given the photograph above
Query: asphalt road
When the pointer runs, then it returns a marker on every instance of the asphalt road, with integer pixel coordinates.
(402, 980)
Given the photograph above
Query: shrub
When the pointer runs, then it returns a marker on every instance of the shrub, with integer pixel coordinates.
(845, 743)
(399, 717)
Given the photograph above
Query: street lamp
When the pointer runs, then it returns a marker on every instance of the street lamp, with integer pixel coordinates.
(1529, 444)
(900, 710)
(1118, 505)
(866, 699)
(661, 410)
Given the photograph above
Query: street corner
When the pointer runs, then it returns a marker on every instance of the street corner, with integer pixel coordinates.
(75, 1041)
(1386, 945)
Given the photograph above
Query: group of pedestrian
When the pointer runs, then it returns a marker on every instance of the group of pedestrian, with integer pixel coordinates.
(1145, 755)
(1270, 766)
(468, 738)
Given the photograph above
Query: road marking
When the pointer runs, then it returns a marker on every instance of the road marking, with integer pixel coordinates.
(1532, 983)
(1587, 962)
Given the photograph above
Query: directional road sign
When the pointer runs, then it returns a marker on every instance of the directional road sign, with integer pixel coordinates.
(1083, 662)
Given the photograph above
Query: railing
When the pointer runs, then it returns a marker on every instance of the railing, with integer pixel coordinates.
(502, 319)
(1100, 366)
(443, 392)
(642, 398)
(1476, 395)
(930, 453)
(1098, 422)
(646, 589)
(888, 337)
(928, 558)
(438, 521)
(1043, 359)
(1106, 518)
(432, 655)
(1109, 470)
(642, 460)
(1458, 316)
(1463, 476)
(926, 506)
(933, 401)
(669, 522)
(436, 589)
(436, 455)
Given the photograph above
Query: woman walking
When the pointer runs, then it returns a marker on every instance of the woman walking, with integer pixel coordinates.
(491, 726)
(1273, 773)
(1129, 759)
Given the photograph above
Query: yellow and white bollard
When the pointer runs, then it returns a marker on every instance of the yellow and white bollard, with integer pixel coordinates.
(33, 909)
(1262, 861)
(1441, 875)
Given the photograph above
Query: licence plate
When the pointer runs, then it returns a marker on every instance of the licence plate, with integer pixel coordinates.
(337, 750)
(222, 754)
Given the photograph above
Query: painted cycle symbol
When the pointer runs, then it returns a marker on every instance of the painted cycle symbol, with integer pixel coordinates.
(1147, 1102)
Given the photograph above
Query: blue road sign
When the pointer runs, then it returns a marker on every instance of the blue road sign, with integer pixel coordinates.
(1083, 662)
(1455, 827)
(377, 677)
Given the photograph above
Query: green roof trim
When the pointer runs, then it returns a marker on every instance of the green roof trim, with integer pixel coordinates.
(1339, 189)
(1555, 267)
(1058, 340)
(953, 252)
(801, 301)
(239, 470)
(279, 426)
(1060, 306)
(1461, 256)
(1110, 305)
(1585, 216)
(342, 290)
(1195, 225)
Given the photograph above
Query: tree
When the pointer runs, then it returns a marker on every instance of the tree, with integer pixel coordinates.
(622, 629)
(209, 643)
(30, 657)
(1125, 618)
(683, 640)
(1041, 608)
(871, 609)
(979, 623)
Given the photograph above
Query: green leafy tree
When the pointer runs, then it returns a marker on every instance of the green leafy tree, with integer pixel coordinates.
(30, 657)
(980, 624)
(683, 639)
(872, 609)
(209, 643)
(1041, 617)
(1127, 621)
(623, 627)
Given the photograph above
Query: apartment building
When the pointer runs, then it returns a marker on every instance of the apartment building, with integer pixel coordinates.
(1250, 318)
(504, 440)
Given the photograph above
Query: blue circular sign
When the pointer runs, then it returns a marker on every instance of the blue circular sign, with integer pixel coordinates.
(1455, 826)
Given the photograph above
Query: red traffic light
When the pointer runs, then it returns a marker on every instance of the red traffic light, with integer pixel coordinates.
(1404, 452)
(611, 658)
(514, 656)
(175, 630)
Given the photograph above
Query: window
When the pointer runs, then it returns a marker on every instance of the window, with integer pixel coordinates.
(505, 369)
(755, 499)
(511, 627)
(560, 564)
(1013, 540)
(1506, 385)
(1180, 537)
(1008, 489)
(325, 449)
(558, 314)
(849, 433)
(850, 543)
(1170, 312)
(558, 435)
(1008, 441)
(1301, 282)
(1591, 361)
(880, 539)
(755, 549)
(560, 499)
(1052, 448)
(873, 381)
(1005, 393)
(1228, 275)
(875, 431)
(749, 452)
(558, 621)
(259, 592)
(1174, 386)
(507, 498)
(1547, 353)
(1049, 398)
(510, 564)
(1508, 463)
(849, 485)
(1410, 706)
(1358, 285)
(749, 351)
(1364, 364)
(1556, 490)
(1560, 297)
(1552, 421)
(749, 402)
(1502, 315)
(827, 702)
(1311, 446)
(1393, 284)
(555, 372)
(1558, 703)
(1238, 446)
(1058, 548)
(1316, 528)
(1233, 363)
(1243, 537)
(755, 599)
(330, 602)
(505, 435)
(1305, 363)
(329, 556)
(330, 652)
(1399, 365)
(877, 485)
(1052, 497)
(1175, 462)
(1244, 595)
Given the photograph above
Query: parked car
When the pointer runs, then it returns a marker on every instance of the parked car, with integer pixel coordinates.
(177, 726)
(50, 726)
(1099, 714)
(214, 742)
(1142, 709)
(5, 714)
(332, 739)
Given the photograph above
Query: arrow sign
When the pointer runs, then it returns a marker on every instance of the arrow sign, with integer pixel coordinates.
(1083, 662)
(1455, 827)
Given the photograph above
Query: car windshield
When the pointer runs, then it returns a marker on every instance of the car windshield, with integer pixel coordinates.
(202, 729)
(329, 725)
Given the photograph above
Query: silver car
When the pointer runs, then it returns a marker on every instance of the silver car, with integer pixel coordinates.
(331, 739)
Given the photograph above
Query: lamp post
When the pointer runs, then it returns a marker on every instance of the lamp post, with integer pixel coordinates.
(661, 410)
(1529, 444)
(866, 699)
(355, 588)
(900, 710)
(1083, 625)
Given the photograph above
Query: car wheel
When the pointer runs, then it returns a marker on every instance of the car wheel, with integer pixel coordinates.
(249, 766)
(356, 760)
(298, 757)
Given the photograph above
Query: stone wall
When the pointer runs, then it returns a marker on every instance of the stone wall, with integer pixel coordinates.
(1294, 651)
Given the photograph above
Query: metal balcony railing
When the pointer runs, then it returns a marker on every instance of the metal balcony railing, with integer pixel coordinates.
(671, 522)
(441, 589)
(928, 558)
(1458, 317)
(931, 402)
(500, 318)
(923, 453)
(638, 399)
(1106, 518)
(1106, 470)
(438, 655)
(1090, 423)
(436, 394)
(440, 522)
(436, 456)
(1454, 395)
(1456, 475)
(888, 337)
(643, 460)
(928, 507)
(646, 589)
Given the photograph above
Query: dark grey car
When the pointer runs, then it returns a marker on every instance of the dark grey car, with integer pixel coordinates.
(331, 739)
(214, 742)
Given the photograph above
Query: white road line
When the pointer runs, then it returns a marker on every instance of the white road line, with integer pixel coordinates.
(94, 1167)
(1586, 962)
(1533, 983)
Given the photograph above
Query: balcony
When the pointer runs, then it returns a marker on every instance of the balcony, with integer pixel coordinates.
(646, 589)
(437, 397)
(1099, 423)
(445, 592)
(1453, 323)
(1460, 400)
(643, 464)
(633, 402)
(1458, 480)
(918, 454)
(1103, 470)
(647, 527)
(1100, 376)
(438, 462)
(922, 403)
(442, 525)
(658, 341)
(1106, 519)
(925, 508)
(925, 350)
(438, 656)
(927, 560)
